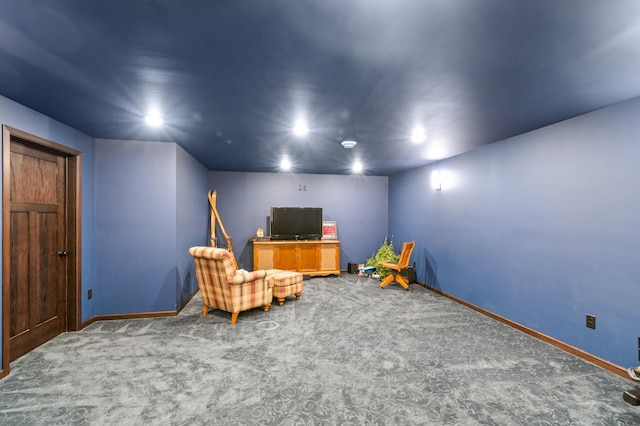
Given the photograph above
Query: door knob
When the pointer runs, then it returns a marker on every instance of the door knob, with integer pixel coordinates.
(63, 253)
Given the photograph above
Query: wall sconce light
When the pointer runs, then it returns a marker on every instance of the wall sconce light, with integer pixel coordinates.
(436, 180)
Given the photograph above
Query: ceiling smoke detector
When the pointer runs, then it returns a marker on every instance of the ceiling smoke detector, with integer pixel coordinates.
(348, 144)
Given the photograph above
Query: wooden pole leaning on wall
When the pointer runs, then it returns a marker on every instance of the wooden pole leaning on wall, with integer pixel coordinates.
(215, 217)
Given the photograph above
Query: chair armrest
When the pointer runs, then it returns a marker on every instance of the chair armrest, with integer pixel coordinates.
(388, 265)
(243, 276)
(269, 281)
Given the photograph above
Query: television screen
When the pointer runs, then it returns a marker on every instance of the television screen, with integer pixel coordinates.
(296, 223)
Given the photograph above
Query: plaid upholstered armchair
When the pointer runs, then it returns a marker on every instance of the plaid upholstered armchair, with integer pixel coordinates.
(228, 289)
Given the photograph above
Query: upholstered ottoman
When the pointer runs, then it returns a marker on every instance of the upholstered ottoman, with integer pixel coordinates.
(285, 283)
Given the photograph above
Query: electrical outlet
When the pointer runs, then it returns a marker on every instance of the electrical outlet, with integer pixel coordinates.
(591, 321)
(89, 294)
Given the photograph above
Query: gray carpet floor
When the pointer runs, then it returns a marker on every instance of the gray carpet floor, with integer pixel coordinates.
(347, 353)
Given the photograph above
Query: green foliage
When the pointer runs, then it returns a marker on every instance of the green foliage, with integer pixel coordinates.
(384, 254)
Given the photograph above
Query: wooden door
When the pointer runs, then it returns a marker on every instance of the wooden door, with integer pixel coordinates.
(286, 256)
(38, 248)
(307, 257)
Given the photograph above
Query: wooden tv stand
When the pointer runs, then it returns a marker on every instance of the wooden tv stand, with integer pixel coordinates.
(321, 257)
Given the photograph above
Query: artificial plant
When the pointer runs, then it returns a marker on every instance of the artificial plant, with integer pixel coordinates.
(384, 254)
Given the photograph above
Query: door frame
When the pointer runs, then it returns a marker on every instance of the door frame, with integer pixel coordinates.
(73, 216)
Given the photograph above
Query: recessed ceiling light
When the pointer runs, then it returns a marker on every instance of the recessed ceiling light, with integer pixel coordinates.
(154, 119)
(418, 135)
(300, 129)
(348, 144)
(285, 165)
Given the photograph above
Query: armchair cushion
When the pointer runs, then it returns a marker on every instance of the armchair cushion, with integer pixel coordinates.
(242, 276)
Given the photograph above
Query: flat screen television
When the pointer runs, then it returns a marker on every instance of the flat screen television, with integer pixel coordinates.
(296, 223)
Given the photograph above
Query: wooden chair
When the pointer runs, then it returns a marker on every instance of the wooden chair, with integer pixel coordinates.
(398, 268)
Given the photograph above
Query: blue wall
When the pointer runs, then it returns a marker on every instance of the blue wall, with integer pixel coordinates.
(152, 206)
(357, 203)
(193, 220)
(136, 226)
(542, 228)
(20, 117)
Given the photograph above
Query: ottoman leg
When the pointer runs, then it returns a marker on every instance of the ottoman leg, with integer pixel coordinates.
(298, 296)
(280, 301)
